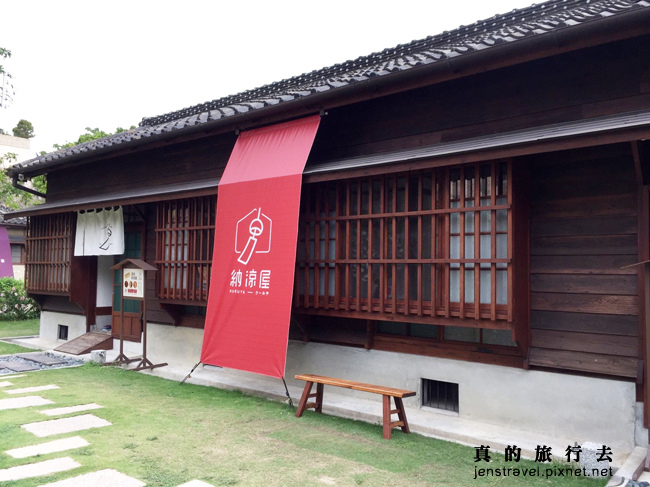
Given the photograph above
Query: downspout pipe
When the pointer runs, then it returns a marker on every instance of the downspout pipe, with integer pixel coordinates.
(14, 183)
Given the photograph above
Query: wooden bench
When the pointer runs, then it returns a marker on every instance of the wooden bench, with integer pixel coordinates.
(386, 392)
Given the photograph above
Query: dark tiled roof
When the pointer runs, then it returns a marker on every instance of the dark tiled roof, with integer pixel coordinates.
(5, 217)
(500, 29)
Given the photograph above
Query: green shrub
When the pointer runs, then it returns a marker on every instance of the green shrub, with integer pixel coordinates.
(14, 303)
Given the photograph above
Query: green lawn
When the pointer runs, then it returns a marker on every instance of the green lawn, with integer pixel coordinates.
(19, 328)
(166, 434)
(10, 348)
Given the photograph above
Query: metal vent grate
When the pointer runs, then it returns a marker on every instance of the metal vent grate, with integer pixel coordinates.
(440, 395)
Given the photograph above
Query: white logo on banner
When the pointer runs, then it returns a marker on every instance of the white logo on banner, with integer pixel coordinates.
(253, 235)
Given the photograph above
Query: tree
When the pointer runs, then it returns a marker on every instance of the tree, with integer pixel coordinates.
(90, 134)
(24, 129)
(6, 88)
(15, 198)
(11, 197)
(4, 53)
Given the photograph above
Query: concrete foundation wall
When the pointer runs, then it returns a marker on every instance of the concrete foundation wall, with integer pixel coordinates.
(50, 321)
(568, 406)
(19, 271)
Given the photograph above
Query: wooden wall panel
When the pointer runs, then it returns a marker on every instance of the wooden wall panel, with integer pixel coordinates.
(573, 86)
(615, 204)
(623, 285)
(584, 322)
(626, 346)
(191, 161)
(582, 264)
(584, 225)
(593, 225)
(585, 303)
(584, 245)
(585, 362)
(562, 88)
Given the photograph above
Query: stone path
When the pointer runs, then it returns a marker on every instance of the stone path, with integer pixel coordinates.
(65, 425)
(32, 389)
(23, 402)
(71, 409)
(38, 469)
(49, 447)
(101, 478)
(58, 426)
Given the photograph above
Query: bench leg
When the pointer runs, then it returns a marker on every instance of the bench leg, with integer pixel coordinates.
(388, 413)
(319, 398)
(306, 395)
(401, 414)
(303, 399)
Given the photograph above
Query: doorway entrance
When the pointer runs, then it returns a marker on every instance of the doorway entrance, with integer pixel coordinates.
(133, 238)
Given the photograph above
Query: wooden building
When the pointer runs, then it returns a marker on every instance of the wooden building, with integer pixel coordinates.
(471, 210)
(16, 231)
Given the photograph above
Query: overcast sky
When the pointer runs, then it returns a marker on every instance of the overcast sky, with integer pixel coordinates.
(108, 64)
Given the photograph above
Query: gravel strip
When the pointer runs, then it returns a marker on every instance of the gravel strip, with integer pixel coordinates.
(64, 362)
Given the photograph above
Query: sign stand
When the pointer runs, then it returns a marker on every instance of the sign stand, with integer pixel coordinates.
(133, 287)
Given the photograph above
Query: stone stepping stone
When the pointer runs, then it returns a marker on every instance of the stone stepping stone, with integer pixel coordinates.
(13, 376)
(40, 358)
(65, 425)
(5, 383)
(71, 409)
(196, 483)
(32, 389)
(39, 469)
(18, 366)
(23, 402)
(101, 478)
(49, 447)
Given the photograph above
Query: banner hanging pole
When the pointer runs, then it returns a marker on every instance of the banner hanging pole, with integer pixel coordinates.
(286, 389)
(190, 374)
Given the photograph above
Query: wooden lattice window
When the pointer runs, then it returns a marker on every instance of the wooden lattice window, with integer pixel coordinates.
(434, 243)
(49, 252)
(184, 246)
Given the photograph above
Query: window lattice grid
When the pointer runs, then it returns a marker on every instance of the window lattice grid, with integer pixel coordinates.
(184, 247)
(49, 250)
(396, 244)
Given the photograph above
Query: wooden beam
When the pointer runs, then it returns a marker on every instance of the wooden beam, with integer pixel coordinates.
(643, 280)
(637, 162)
(641, 157)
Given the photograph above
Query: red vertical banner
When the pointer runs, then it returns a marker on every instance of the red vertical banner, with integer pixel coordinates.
(251, 287)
